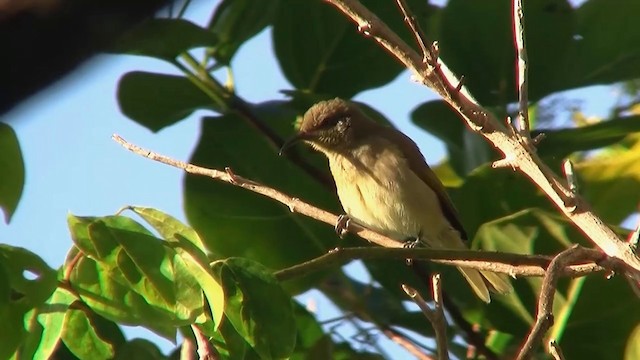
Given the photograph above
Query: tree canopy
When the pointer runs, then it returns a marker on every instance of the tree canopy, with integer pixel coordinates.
(219, 279)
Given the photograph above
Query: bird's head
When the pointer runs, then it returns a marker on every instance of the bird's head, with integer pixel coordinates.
(331, 126)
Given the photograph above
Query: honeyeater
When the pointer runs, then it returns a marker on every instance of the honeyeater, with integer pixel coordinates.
(385, 184)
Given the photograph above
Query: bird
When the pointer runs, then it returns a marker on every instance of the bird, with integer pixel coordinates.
(384, 183)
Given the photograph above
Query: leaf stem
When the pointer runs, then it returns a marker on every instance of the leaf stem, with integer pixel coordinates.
(217, 97)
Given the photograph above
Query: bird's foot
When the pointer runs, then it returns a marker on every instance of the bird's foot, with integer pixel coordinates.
(410, 243)
(342, 225)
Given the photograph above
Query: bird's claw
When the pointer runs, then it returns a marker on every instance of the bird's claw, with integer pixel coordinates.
(410, 244)
(342, 225)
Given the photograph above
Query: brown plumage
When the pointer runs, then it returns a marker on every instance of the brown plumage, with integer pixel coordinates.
(385, 184)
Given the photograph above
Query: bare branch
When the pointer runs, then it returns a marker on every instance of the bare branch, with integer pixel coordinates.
(567, 166)
(435, 316)
(544, 317)
(294, 204)
(555, 350)
(410, 19)
(521, 70)
(512, 264)
(406, 344)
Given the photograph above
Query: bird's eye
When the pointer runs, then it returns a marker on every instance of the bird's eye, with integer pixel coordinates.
(342, 123)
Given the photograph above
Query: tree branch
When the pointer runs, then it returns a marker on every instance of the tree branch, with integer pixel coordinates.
(435, 316)
(544, 317)
(520, 155)
(555, 350)
(294, 204)
(512, 264)
(521, 70)
(406, 344)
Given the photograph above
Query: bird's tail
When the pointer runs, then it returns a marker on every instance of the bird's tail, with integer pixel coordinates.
(479, 279)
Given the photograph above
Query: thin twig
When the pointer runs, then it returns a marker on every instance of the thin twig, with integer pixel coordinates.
(521, 70)
(474, 338)
(544, 317)
(440, 322)
(555, 350)
(411, 21)
(294, 204)
(206, 351)
(72, 264)
(406, 344)
(511, 264)
(435, 316)
(567, 167)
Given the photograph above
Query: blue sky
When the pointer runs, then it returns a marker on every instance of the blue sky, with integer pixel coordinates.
(73, 166)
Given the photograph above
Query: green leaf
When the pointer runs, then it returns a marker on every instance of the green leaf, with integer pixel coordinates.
(164, 39)
(212, 289)
(14, 335)
(235, 222)
(109, 294)
(257, 306)
(192, 254)
(5, 288)
(26, 293)
(310, 338)
(140, 256)
(169, 227)
(602, 334)
(607, 45)
(344, 351)
(606, 181)
(531, 231)
(235, 345)
(320, 51)
(51, 316)
(156, 101)
(488, 194)
(79, 228)
(236, 21)
(594, 44)
(139, 349)
(21, 336)
(632, 351)
(12, 165)
(467, 150)
(158, 286)
(27, 283)
(562, 142)
(484, 53)
(81, 335)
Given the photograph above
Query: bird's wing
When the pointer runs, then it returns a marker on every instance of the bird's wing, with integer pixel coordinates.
(420, 167)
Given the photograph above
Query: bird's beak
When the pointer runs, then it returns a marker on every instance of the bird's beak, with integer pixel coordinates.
(292, 141)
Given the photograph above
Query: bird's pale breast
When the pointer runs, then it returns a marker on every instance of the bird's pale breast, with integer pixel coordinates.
(379, 190)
